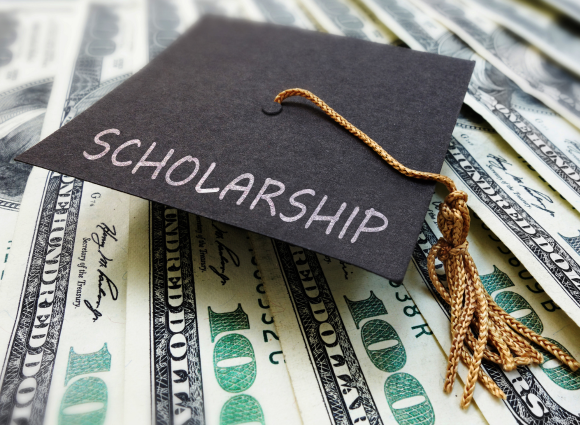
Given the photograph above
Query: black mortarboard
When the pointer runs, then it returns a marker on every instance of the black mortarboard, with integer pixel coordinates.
(296, 176)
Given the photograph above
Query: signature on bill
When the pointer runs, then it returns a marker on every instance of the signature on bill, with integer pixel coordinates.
(100, 238)
(226, 255)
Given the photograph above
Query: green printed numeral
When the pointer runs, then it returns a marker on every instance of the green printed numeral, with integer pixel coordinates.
(239, 377)
(496, 280)
(81, 364)
(408, 400)
(406, 396)
(512, 302)
(364, 309)
(234, 364)
(84, 391)
(230, 321)
(242, 409)
(560, 374)
(392, 356)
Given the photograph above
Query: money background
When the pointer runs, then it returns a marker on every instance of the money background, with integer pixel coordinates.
(87, 334)
(64, 300)
(33, 40)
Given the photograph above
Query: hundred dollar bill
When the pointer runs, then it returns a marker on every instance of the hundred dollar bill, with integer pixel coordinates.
(63, 297)
(550, 31)
(544, 394)
(357, 348)
(34, 35)
(545, 140)
(537, 75)
(202, 347)
(569, 7)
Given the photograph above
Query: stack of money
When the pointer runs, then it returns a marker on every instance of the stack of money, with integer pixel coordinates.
(118, 310)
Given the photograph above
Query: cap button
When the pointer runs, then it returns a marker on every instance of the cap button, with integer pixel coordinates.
(272, 108)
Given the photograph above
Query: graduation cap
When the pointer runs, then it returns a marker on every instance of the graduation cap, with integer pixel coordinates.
(197, 129)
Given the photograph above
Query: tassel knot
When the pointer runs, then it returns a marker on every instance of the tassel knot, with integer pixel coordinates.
(445, 250)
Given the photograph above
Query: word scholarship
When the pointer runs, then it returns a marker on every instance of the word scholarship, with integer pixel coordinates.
(372, 222)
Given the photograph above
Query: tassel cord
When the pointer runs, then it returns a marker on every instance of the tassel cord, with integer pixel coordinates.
(478, 324)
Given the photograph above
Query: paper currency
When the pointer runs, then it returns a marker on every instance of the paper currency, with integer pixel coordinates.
(521, 62)
(552, 32)
(545, 394)
(357, 348)
(548, 142)
(33, 39)
(230, 8)
(344, 18)
(201, 342)
(282, 12)
(569, 7)
(63, 297)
